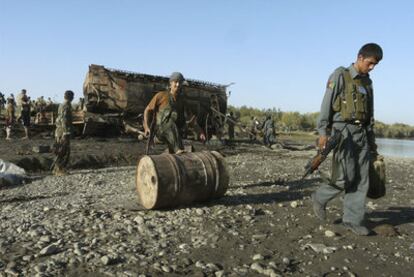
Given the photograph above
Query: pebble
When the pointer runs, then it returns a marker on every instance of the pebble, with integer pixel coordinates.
(257, 267)
(139, 219)
(286, 260)
(50, 250)
(258, 257)
(294, 204)
(329, 234)
(166, 268)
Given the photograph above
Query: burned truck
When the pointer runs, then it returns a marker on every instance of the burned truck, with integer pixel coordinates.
(118, 98)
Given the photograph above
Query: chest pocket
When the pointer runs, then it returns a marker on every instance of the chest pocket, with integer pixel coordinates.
(352, 103)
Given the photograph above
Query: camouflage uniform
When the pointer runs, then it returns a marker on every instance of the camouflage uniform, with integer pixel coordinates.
(62, 137)
(10, 118)
(230, 120)
(269, 132)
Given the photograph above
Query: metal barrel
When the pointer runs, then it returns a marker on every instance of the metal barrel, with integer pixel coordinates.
(168, 180)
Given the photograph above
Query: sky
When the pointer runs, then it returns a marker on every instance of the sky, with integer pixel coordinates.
(278, 53)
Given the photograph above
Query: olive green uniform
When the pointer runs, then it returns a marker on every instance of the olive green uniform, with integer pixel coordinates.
(269, 136)
(167, 129)
(347, 107)
(230, 120)
(62, 136)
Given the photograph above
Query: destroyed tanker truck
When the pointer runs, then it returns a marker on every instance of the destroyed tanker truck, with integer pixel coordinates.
(115, 100)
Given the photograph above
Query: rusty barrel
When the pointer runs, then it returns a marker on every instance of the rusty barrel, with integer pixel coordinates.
(168, 180)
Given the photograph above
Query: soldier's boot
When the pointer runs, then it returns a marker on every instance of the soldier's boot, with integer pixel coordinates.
(356, 229)
(26, 133)
(318, 208)
(8, 133)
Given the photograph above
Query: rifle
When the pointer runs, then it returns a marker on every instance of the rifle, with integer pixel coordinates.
(321, 156)
(151, 134)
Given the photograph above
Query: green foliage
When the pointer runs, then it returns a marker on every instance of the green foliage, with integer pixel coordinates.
(295, 121)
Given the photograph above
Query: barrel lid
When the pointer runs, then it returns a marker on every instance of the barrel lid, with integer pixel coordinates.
(147, 182)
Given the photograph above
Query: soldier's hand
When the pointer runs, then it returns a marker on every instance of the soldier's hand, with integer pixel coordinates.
(147, 133)
(323, 140)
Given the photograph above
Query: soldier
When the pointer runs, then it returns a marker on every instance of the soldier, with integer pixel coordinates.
(24, 106)
(62, 134)
(268, 128)
(10, 117)
(254, 124)
(2, 101)
(167, 109)
(231, 122)
(49, 102)
(347, 107)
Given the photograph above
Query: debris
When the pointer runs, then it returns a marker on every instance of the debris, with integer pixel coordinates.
(320, 248)
(385, 230)
(11, 174)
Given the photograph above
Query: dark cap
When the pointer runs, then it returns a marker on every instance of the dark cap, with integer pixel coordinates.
(23, 90)
(177, 76)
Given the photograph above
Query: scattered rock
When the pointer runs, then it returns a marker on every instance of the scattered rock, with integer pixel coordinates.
(330, 234)
(50, 250)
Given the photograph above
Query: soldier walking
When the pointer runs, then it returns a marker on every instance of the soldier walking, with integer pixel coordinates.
(166, 113)
(347, 107)
(62, 135)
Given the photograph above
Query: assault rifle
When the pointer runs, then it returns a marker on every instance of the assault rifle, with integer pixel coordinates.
(321, 156)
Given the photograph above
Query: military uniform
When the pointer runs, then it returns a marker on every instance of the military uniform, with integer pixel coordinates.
(230, 120)
(347, 107)
(253, 129)
(169, 119)
(10, 118)
(269, 137)
(62, 137)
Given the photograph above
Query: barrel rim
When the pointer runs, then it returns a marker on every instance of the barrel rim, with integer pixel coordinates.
(144, 201)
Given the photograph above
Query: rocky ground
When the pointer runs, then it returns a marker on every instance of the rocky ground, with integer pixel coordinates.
(90, 223)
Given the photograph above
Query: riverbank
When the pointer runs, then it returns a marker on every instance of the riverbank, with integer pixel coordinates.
(90, 223)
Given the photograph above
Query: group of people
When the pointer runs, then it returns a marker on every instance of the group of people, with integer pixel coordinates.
(347, 107)
(20, 110)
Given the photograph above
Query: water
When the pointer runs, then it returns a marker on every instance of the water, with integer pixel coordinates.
(395, 147)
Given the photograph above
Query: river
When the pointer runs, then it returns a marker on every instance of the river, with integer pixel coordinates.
(395, 147)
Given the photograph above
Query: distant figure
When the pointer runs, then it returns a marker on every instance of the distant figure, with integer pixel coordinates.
(269, 136)
(348, 108)
(254, 125)
(81, 103)
(62, 135)
(2, 101)
(231, 122)
(166, 112)
(10, 117)
(49, 102)
(24, 107)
